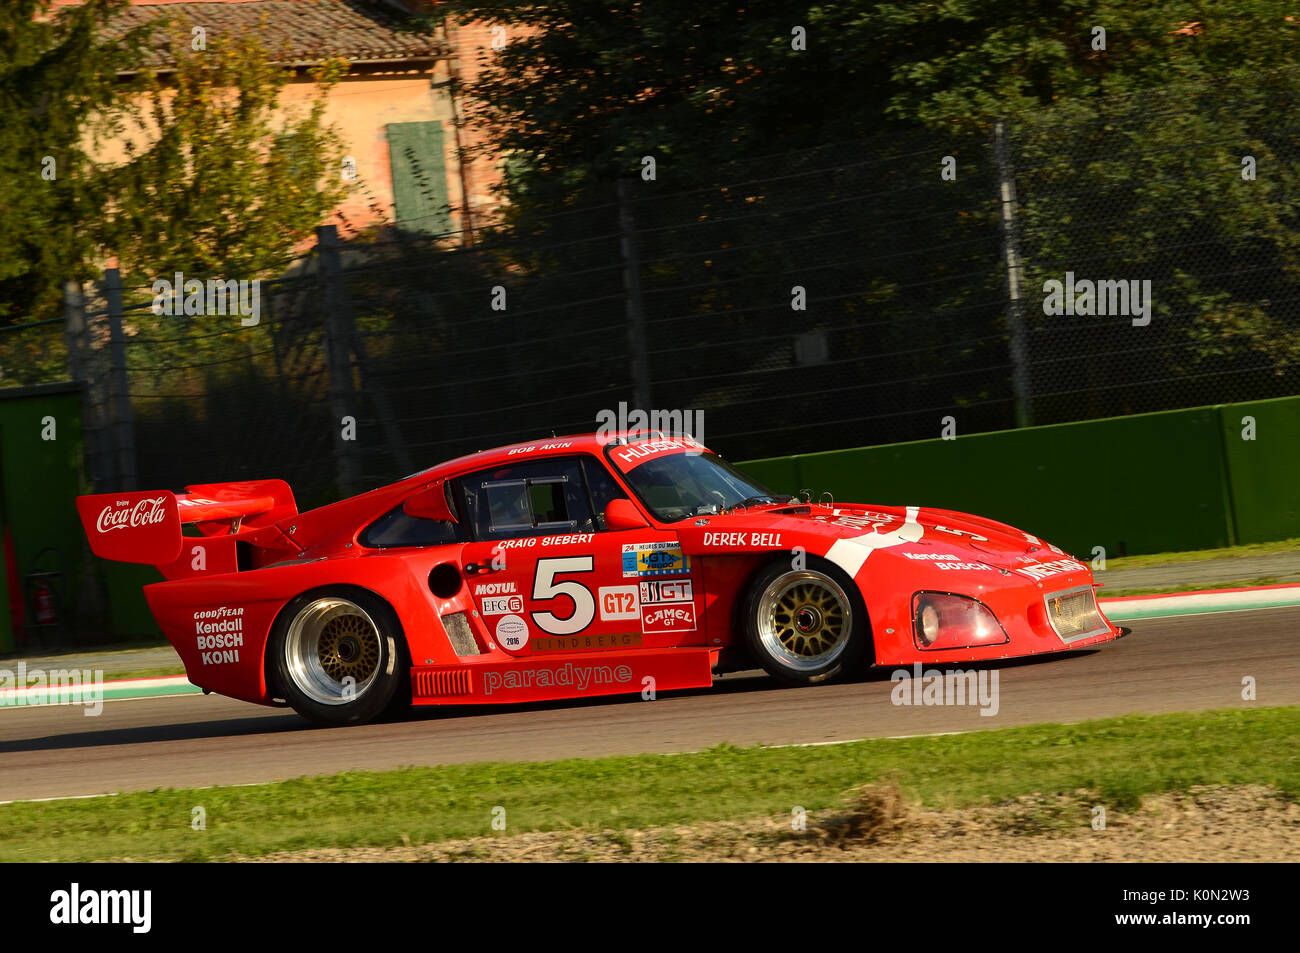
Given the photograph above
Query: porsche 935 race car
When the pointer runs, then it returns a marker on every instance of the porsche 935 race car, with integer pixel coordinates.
(572, 567)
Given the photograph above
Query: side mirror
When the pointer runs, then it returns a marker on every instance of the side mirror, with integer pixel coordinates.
(430, 504)
(623, 514)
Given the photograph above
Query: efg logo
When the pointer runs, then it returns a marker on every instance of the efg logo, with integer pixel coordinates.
(94, 907)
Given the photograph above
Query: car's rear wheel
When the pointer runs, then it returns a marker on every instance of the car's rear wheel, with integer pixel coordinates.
(806, 625)
(337, 656)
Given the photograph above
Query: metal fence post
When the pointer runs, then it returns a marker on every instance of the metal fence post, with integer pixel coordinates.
(119, 398)
(76, 337)
(338, 335)
(635, 303)
(1021, 384)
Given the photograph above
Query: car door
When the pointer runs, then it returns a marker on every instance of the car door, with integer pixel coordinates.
(549, 577)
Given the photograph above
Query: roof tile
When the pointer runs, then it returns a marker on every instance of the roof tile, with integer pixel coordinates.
(295, 30)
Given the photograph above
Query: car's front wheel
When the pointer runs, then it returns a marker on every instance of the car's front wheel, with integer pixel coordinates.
(337, 656)
(806, 625)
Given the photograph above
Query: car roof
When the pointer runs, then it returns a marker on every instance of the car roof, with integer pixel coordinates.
(553, 446)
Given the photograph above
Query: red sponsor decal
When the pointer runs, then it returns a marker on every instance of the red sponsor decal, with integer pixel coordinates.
(665, 619)
(638, 452)
(129, 514)
(150, 522)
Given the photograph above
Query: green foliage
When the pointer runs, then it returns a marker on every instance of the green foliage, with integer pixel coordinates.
(56, 76)
(596, 85)
(1126, 149)
(1118, 761)
(1151, 184)
(219, 177)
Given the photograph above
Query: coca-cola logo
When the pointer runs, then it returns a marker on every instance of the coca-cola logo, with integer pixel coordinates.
(125, 514)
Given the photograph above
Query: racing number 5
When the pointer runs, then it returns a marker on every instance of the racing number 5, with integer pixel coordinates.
(545, 587)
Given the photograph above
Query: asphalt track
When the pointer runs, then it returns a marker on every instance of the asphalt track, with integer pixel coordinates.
(1172, 664)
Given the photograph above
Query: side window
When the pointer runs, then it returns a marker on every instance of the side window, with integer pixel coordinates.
(603, 489)
(396, 528)
(538, 498)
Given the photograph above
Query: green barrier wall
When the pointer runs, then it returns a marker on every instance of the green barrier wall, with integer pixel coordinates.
(39, 479)
(1264, 473)
(129, 616)
(6, 628)
(1176, 480)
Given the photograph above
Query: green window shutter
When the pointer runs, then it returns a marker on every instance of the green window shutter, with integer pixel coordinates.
(419, 177)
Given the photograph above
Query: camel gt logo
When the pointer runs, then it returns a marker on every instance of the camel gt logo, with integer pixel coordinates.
(662, 620)
(123, 515)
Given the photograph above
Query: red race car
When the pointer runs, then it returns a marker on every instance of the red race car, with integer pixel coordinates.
(571, 567)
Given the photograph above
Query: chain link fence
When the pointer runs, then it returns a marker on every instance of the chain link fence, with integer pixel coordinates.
(851, 294)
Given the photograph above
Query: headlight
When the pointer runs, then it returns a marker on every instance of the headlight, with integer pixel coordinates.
(927, 627)
(943, 620)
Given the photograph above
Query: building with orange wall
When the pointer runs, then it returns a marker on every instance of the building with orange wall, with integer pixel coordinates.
(399, 108)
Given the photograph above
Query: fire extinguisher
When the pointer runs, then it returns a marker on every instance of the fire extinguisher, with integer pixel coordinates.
(43, 585)
(43, 610)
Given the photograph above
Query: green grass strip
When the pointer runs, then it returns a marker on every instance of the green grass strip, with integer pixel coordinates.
(1198, 555)
(1119, 760)
(160, 671)
(1194, 587)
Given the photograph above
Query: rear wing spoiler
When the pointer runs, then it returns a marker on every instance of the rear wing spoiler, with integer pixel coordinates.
(146, 526)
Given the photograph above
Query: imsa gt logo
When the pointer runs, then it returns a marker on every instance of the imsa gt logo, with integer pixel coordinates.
(664, 591)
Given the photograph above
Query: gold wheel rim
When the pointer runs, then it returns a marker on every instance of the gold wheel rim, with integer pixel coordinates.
(332, 651)
(805, 620)
(809, 620)
(348, 646)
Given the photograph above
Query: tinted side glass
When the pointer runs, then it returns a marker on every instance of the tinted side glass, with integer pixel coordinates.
(537, 498)
(603, 488)
(396, 528)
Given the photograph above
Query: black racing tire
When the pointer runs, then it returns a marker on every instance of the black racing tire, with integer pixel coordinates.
(326, 636)
(806, 626)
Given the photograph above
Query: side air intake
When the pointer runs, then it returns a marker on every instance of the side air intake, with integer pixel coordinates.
(460, 635)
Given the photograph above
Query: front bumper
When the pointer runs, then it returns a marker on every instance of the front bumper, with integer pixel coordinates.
(1061, 616)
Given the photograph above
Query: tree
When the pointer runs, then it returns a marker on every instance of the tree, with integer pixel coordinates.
(220, 179)
(1108, 178)
(217, 178)
(585, 88)
(57, 75)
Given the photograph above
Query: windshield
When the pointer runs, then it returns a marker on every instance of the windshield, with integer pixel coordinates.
(679, 485)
